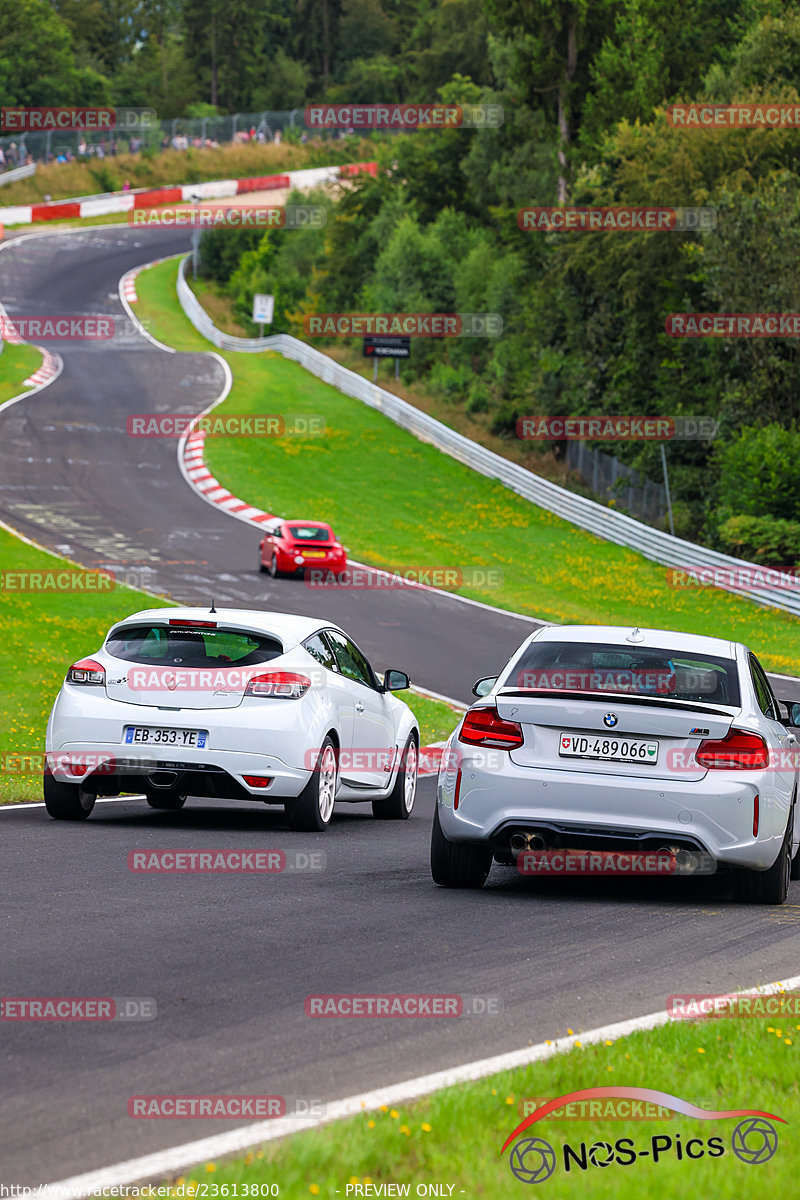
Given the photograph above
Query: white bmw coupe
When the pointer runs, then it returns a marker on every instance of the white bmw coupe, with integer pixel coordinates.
(608, 738)
(231, 704)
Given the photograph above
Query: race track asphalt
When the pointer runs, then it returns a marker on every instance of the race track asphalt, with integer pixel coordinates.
(231, 958)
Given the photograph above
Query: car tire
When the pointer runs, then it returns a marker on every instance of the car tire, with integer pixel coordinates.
(398, 805)
(771, 886)
(457, 864)
(66, 801)
(311, 811)
(171, 801)
(273, 567)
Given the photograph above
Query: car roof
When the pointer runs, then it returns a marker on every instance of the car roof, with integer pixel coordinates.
(657, 639)
(289, 627)
(305, 521)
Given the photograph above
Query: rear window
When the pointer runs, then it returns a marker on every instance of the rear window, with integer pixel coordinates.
(596, 668)
(309, 533)
(173, 645)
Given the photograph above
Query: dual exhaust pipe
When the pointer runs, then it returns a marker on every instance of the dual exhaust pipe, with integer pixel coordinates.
(522, 842)
(685, 860)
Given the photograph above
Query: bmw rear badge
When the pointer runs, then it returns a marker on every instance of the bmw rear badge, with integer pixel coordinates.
(610, 720)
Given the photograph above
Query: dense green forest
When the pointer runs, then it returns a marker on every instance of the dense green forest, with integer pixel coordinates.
(583, 87)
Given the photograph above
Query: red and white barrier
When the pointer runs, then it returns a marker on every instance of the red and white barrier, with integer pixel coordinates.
(219, 189)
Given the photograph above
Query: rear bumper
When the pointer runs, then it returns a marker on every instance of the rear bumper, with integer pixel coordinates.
(276, 739)
(580, 809)
(111, 769)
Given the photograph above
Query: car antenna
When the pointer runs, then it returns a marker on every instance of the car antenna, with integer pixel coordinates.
(212, 609)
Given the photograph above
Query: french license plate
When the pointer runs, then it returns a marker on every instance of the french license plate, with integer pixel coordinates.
(314, 553)
(571, 745)
(148, 736)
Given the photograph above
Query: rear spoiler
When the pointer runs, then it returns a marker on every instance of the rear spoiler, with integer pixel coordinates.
(618, 698)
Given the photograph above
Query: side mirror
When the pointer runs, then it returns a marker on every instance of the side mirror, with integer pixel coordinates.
(484, 686)
(793, 713)
(395, 681)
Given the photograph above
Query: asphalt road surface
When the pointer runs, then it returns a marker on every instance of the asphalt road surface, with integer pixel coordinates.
(230, 959)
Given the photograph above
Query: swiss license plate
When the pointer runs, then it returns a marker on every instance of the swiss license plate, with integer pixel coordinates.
(616, 749)
(314, 553)
(147, 735)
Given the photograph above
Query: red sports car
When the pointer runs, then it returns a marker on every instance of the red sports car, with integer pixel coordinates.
(289, 547)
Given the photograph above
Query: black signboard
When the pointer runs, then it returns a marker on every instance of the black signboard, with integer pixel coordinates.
(387, 347)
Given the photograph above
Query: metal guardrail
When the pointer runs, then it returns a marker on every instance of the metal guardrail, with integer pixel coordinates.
(17, 173)
(587, 514)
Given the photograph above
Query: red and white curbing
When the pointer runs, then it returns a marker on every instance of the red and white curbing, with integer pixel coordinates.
(46, 371)
(129, 286)
(51, 365)
(210, 488)
(218, 189)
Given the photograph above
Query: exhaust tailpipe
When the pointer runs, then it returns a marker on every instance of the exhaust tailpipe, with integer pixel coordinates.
(163, 779)
(520, 842)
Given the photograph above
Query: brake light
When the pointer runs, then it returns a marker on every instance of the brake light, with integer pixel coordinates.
(483, 727)
(278, 685)
(257, 781)
(192, 624)
(87, 671)
(737, 751)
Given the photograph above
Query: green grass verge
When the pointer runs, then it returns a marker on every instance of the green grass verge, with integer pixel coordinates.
(400, 504)
(16, 364)
(454, 1136)
(47, 631)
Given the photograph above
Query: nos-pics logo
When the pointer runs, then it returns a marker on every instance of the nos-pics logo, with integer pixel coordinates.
(754, 1139)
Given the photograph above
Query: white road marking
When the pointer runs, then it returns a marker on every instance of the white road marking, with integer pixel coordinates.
(164, 1163)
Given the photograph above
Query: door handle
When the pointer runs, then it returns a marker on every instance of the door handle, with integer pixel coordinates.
(359, 707)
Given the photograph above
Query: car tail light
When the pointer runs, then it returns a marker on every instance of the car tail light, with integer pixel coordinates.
(278, 685)
(755, 815)
(457, 792)
(87, 672)
(737, 751)
(483, 727)
(259, 781)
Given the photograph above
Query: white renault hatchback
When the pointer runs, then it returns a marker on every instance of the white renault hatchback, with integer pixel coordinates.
(606, 738)
(231, 704)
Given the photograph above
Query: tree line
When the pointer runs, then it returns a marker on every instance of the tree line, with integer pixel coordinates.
(584, 87)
